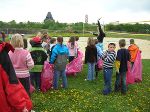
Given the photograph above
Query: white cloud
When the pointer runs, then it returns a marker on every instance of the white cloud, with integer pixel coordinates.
(75, 10)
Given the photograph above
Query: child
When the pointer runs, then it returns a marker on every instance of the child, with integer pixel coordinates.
(91, 58)
(25, 41)
(76, 38)
(46, 39)
(44, 43)
(100, 36)
(123, 57)
(52, 45)
(59, 57)
(10, 36)
(133, 49)
(46, 36)
(109, 58)
(39, 34)
(21, 60)
(99, 55)
(72, 46)
(3, 36)
(13, 97)
(101, 33)
(39, 56)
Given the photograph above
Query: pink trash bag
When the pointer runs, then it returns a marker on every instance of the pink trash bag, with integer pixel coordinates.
(129, 75)
(135, 74)
(137, 68)
(75, 66)
(47, 76)
(100, 64)
(32, 89)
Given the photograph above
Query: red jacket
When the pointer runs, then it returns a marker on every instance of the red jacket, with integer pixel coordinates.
(13, 97)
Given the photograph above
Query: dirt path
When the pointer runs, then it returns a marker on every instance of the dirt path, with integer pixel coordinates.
(144, 45)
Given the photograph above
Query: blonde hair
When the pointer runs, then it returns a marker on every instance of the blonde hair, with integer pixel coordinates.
(39, 34)
(91, 41)
(17, 41)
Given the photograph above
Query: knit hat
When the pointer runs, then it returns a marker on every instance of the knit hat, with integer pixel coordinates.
(36, 39)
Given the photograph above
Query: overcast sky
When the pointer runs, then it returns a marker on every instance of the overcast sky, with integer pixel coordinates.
(75, 10)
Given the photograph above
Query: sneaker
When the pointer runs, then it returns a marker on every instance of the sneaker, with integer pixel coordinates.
(106, 92)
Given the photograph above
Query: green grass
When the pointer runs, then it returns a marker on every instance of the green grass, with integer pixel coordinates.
(84, 96)
(128, 35)
(6, 39)
(53, 34)
(108, 34)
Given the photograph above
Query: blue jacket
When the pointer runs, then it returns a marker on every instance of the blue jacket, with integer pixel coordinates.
(58, 49)
(99, 47)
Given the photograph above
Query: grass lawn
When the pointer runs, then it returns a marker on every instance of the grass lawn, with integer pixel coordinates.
(108, 34)
(84, 96)
(53, 34)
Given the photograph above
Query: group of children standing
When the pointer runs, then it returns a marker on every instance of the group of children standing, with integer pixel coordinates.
(28, 65)
(94, 52)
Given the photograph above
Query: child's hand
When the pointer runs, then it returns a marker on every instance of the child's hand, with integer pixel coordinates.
(117, 71)
(105, 56)
(25, 110)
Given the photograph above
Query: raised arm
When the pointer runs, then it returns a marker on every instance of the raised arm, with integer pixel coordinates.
(101, 33)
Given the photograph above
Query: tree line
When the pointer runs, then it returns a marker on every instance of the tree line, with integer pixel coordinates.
(48, 25)
(73, 27)
(133, 28)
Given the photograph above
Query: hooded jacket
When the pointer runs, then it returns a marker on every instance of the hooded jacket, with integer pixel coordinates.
(13, 97)
(133, 49)
(91, 54)
(58, 50)
(99, 47)
(38, 55)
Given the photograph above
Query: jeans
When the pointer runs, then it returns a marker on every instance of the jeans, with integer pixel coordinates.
(36, 79)
(107, 80)
(91, 71)
(57, 74)
(121, 82)
(26, 84)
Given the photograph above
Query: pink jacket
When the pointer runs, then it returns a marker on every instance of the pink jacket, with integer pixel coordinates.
(72, 50)
(22, 62)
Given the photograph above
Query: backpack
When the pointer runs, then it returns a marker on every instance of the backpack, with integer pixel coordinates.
(60, 62)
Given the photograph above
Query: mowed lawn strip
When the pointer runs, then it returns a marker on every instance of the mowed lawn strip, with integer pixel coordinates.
(85, 96)
(128, 35)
